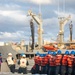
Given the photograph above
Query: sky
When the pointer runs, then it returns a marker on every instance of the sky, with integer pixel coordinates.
(15, 24)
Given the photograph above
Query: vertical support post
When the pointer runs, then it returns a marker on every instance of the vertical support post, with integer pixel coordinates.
(40, 36)
(61, 32)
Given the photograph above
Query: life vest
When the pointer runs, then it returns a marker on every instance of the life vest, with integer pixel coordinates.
(58, 59)
(70, 60)
(39, 61)
(23, 62)
(74, 61)
(48, 56)
(64, 60)
(52, 61)
(44, 61)
(10, 61)
(36, 59)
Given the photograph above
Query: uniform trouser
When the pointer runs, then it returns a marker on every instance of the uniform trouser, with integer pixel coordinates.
(63, 69)
(33, 71)
(73, 70)
(37, 69)
(52, 70)
(22, 70)
(40, 68)
(12, 68)
(70, 69)
(57, 70)
(44, 69)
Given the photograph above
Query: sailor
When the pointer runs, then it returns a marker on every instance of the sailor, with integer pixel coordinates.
(36, 60)
(45, 64)
(48, 56)
(33, 69)
(40, 62)
(22, 65)
(58, 62)
(73, 67)
(10, 62)
(64, 63)
(0, 60)
(70, 62)
(52, 64)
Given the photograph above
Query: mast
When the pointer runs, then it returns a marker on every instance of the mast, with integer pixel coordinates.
(38, 20)
(62, 23)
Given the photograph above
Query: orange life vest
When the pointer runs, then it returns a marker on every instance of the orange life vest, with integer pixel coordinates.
(36, 59)
(52, 61)
(70, 60)
(64, 60)
(58, 59)
(48, 56)
(39, 60)
(44, 61)
(74, 60)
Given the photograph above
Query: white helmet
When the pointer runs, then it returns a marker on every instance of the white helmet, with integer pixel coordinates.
(9, 53)
(23, 55)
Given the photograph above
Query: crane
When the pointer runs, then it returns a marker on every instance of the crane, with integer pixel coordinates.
(38, 20)
(32, 33)
(62, 23)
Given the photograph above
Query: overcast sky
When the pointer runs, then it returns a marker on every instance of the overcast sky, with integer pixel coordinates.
(14, 22)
